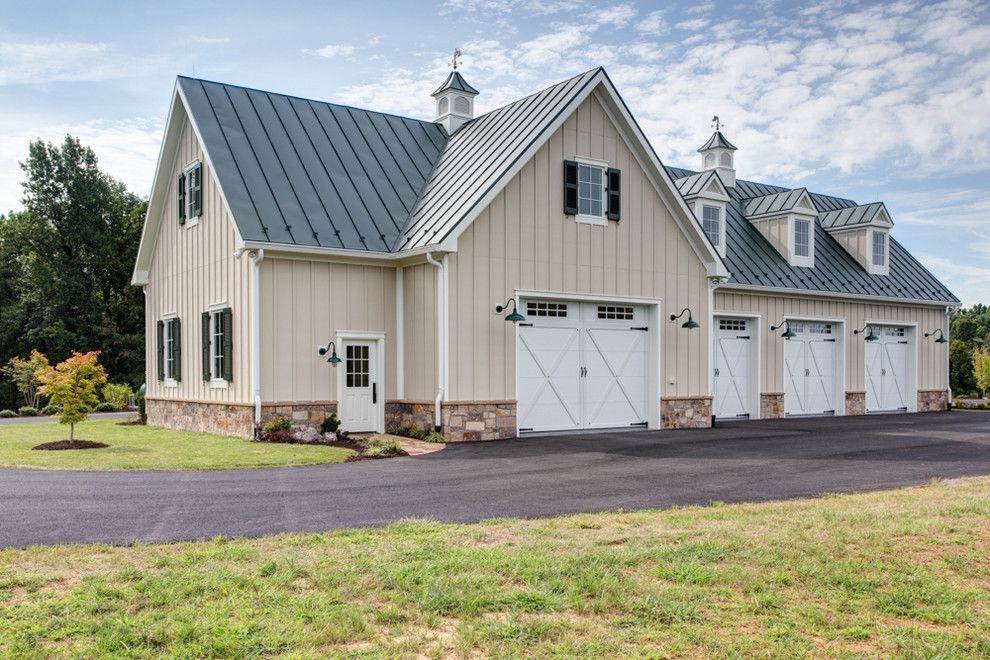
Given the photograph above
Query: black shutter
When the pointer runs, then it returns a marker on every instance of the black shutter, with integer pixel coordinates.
(197, 190)
(160, 340)
(176, 350)
(614, 188)
(228, 345)
(182, 199)
(206, 346)
(570, 187)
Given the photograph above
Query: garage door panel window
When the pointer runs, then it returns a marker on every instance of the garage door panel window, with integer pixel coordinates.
(546, 309)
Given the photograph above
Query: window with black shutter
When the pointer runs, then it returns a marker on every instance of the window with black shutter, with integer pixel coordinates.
(570, 187)
(181, 202)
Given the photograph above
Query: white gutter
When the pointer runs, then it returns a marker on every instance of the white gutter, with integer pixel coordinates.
(371, 255)
(257, 256)
(854, 297)
(400, 322)
(441, 267)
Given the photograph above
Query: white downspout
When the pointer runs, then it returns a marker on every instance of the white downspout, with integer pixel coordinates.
(441, 337)
(400, 322)
(948, 372)
(256, 258)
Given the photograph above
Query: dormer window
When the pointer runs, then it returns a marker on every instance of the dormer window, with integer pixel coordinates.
(802, 238)
(712, 223)
(879, 249)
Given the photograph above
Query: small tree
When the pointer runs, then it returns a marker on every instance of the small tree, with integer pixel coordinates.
(72, 385)
(26, 376)
(981, 369)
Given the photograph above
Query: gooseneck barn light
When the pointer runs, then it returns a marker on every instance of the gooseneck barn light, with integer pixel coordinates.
(941, 336)
(332, 349)
(513, 316)
(788, 333)
(871, 336)
(690, 324)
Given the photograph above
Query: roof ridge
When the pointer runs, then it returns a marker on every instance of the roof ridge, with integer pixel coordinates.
(540, 91)
(305, 98)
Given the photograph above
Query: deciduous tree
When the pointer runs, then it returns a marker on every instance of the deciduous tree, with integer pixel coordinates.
(26, 375)
(72, 385)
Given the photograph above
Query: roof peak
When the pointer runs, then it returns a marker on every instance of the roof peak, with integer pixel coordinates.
(717, 141)
(455, 81)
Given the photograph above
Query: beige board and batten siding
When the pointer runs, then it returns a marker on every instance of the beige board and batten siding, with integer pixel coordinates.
(419, 305)
(192, 269)
(304, 304)
(776, 230)
(773, 308)
(524, 241)
(856, 243)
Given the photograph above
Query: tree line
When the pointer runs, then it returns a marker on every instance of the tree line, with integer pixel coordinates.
(65, 266)
(969, 351)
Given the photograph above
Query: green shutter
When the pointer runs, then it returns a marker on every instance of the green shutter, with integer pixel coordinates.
(228, 345)
(182, 199)
(177, 348)
(160, 340)
(206, 346)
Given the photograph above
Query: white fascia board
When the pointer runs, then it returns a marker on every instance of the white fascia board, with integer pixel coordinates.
(851, 297)
(341, 254)
(664, 185)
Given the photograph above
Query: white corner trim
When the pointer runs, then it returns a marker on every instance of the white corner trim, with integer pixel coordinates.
(400, 333)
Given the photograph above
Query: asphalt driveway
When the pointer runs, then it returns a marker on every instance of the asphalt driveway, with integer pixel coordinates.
(738, 461)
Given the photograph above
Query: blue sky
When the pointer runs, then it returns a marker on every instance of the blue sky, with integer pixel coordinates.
(868, 101)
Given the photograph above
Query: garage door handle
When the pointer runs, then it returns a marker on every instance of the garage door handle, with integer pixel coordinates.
(807, 372)
(883, 372)
(374, 393)
(716, 372)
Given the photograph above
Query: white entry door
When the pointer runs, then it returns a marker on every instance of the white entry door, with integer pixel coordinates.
(887, 370)
(582, 365)
(733, 365)
(810, 369)
(361, 396)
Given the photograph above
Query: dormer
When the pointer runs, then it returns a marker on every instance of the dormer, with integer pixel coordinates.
(718, 154)
(708, 198)
(864, 232)
(455, 102)
(787, 220)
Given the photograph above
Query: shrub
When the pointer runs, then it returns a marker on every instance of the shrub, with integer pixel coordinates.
(435, 437)
(410, 432)
(7, 413)
(376, 447)
(104, 407)
(142, 413)
(330, 424)
(51, 409)
(118, 395)
(28, 411)
(276, 424)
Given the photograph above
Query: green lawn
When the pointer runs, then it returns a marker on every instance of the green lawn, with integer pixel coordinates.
(150, 448)
(900, 573)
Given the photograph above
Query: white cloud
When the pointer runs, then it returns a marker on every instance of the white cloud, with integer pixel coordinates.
(30, 63)
(617, 15)
(212, 41)
(331, 51)
(654, 22)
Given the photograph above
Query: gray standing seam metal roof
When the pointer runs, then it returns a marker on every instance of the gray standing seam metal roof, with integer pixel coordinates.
(751, 259)
(311, 173)
(717, 141)
(455, 81)
(690, 186)
(778, 202)
(850, 217)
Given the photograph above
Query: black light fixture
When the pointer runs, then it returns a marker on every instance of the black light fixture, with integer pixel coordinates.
(332, 348)
(871, 336)
(690, 324)
(513, 316)
(941, 336)
(788, 333)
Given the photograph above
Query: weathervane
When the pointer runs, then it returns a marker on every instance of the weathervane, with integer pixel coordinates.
(455, 60)
(716, 124)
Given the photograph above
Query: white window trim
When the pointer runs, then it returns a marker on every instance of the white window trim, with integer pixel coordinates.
(699, 210)
(192, 221)
(600, 221)
(871, 267)
(795, 260)
(168, 381)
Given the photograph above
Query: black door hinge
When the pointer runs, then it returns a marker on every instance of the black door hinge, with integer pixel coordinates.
(643, 328)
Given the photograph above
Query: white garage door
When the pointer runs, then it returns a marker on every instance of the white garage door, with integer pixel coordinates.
(810, 360)
(733, 365)
(887, 370)
(582, 365)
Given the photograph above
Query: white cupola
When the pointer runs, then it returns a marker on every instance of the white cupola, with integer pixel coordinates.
(717, 154)
(455, 102)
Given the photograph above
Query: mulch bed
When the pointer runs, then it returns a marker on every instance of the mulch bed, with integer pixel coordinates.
(70, 444)
(357, 447)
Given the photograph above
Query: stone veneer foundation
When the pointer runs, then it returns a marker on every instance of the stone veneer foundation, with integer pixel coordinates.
(303, 414)
(208, 417)
(855, 403)
(686, 412)
(418, 414)
(771, 405)
(933, 400)
(466, 421)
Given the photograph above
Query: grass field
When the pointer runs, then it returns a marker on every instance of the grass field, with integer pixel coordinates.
(902, 573)
(150, 448)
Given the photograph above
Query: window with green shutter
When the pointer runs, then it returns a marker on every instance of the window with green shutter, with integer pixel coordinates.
(181, 200)
(218, 348)
(170, 350)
